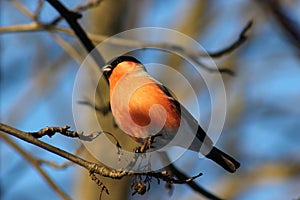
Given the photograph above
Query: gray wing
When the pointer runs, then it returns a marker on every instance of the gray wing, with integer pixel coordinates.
(192, 123)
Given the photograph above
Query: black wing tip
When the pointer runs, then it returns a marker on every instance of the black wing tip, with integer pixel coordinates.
(232, 167)
(224, 160)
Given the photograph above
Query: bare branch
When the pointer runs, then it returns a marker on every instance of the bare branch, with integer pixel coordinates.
(38, 9)
(62, 165)
(194, 55)
(99, 183)
(180, 175)
(242, 38)
(266, 171)
(93, 168)
(50, 131)
(289, 25)
(103, 109)
(67, 47)
(71, 18)
(80, 8)
(23, 9)
(22, 28)
(193, 184)
(53, 164)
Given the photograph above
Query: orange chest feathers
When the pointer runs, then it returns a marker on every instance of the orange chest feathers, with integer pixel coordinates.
(147, 105)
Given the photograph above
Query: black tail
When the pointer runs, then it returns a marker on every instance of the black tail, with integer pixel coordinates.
(223, 159)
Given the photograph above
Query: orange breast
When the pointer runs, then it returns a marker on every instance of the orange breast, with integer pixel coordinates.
(150, 104)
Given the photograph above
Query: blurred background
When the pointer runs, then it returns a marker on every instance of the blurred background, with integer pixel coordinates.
(38, 69)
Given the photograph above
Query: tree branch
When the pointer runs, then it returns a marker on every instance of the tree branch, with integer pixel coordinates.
(241, 39)
(71, 18)
(50, 131)
(180, 175)
(289, 25)
(194, 55)
(93, 168)
(80, 8)
(193, 184)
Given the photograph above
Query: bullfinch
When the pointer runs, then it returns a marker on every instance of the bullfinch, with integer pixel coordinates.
(143, 107)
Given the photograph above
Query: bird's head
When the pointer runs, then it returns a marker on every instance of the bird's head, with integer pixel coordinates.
(120, 66)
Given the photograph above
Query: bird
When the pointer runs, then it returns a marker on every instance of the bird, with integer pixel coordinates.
(144, 107)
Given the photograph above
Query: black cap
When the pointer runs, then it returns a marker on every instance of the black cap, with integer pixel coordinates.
(120, 59)
(107, 69)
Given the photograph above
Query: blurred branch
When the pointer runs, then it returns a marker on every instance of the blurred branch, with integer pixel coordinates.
(194, 55)
(103, 109)
(180, 175)
(36, 164)
(193, 184)
(34, 26)
(236, 44)
(289, 25)
(99, 183)
(38, 9)
(93, 168)
(63, 165)
(23, 9)
(39, 85)
(284, 169)
(71, 17)
(67, 47)
(53, 164)
(80, 8)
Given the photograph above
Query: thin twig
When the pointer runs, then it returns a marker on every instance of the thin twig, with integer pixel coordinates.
(67, 47)
(71, 18)
(130, 43)
(212, 70)
(289, 25)
(193, 184)
(99, 183)
(38, 9)
(103, 109)
(54, 165)
(241, 39)
(23, 9)
(80, 8)
(62, 165)
(180, 175)
(194, 55)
